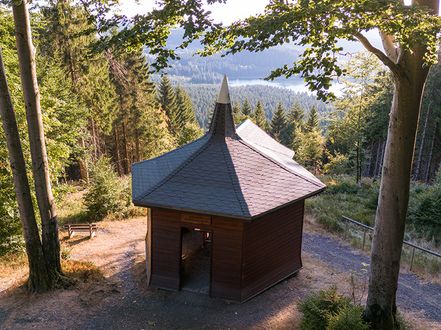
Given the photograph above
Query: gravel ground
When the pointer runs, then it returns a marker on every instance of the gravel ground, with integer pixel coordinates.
(123, 301)
(413, 293)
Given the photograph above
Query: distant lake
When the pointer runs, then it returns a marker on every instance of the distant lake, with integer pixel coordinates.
(295, 86)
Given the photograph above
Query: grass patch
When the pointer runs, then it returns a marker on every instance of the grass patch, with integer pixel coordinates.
(70, 207)
(12, 262)
(344, 197)
(81, 270)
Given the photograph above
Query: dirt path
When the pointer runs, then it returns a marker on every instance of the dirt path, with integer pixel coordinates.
(122, 300)
(413, 293)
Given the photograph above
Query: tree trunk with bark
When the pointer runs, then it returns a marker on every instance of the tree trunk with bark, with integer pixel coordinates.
(117, 151)
(38, 276)
(394, 190)
(429, 161)
(40, 168)
(422, 142)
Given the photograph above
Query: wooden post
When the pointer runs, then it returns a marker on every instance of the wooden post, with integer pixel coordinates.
(411, 259)
(364, 238)
(346, 229)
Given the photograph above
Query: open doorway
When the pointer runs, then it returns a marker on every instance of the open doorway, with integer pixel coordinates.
(196, 260)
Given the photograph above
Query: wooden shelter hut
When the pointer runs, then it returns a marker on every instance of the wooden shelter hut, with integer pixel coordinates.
(225, 211)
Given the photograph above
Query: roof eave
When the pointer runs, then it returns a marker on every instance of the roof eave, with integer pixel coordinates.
(227, 215)
(171, 207)
(316, 192)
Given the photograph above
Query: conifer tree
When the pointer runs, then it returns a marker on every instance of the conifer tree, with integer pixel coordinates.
(278, 123)
(246, 109)
(259, 116)
(296, 114)
(167, 100)
(185, 107)
(237, 114)
(189, 128)
(294, 125)
(313, 121)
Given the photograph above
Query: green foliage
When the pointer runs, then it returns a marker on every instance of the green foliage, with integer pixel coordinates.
(62, 118)
(246, 109)
(348, 318)
(337, 165)
(278, 123)
(313, 121)
(259, 116)
(310, 149)
(106, 195)
(319, 307)
(186, 117)
(204, 96)
(344, 197)
(424, 210)
(167, 100)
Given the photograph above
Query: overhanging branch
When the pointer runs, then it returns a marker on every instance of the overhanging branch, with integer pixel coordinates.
(377, 52)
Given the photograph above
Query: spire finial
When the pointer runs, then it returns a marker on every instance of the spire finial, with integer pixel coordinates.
(224, 94)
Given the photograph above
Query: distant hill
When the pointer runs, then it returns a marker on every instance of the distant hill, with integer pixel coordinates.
(204, 96)
(194, 69)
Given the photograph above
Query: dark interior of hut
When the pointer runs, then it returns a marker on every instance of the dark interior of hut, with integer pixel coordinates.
(196, 260)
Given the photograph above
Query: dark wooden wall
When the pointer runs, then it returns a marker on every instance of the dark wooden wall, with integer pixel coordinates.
(226, 250)
(271, 249)
(226, 258)
(165, 249)
(247, 256)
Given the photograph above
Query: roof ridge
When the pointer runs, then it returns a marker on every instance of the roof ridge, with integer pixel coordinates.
(180, 167)
(277, 163)
(236, 183)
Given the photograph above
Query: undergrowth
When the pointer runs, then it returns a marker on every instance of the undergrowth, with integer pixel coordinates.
(344, 197)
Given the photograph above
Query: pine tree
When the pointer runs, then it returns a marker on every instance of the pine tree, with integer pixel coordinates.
(296, 114)
(189, 128)
(237, 114)
(310, 149)
(278, 123)
(167, 100)
(294, 125)
(313, 121)
(246, 109)
(259, 116)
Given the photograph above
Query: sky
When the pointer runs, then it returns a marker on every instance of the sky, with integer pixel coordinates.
(225, 13)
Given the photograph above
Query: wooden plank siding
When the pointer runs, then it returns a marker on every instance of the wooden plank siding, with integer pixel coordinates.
(226, 258)
(247, 257)
(271, 249)
(166, 249)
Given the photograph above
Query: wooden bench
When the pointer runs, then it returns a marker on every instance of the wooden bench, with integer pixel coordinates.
(81, 228)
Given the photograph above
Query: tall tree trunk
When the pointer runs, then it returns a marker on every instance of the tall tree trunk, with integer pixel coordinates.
(82, 164)
(38, 276)
(394, 191)
(137, 146)
(94, 140)
(421, 148)
(429, 161)
(45, 199)
(377, 160)
(126, 148)
(117, 151)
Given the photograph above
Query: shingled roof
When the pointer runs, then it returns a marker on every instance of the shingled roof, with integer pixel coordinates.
(241, 173)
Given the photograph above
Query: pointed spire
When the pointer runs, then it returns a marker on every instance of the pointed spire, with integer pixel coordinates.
(222, 123)
(224, 94)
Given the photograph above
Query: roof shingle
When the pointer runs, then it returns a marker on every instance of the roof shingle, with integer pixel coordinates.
(240, 174)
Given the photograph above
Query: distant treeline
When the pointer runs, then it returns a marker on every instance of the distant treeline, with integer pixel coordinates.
(204, 96)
